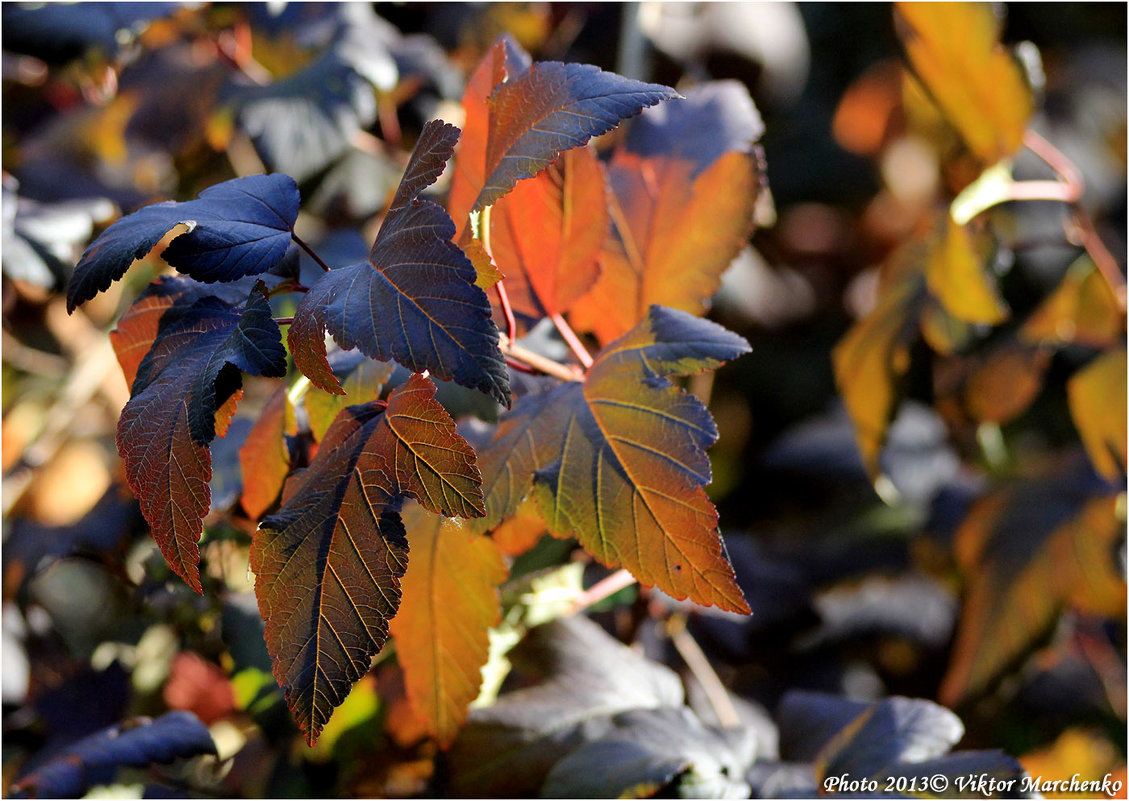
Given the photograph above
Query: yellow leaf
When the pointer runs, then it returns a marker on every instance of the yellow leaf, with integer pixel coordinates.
(954, 49)
(486, 272)
(1097, 404)
(1082, 311)
(449, 603)
(1076, 752)
(955, 275)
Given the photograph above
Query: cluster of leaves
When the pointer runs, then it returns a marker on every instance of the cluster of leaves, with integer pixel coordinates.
(368, 559)
(615, 456)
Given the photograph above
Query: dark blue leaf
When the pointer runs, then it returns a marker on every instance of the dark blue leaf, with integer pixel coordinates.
(136, 743)
(550, 108)
(240, 227)
(414, 300)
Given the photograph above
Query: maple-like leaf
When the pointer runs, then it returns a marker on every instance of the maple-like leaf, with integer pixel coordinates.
(547, 233)
(450, 601)
(682, 206)
(328, 563)
(954, 49)
(618, 461)
(164, 431)
(1029, 551)
(264, 458)
(236, 228)
(414, 300)
(532, 114)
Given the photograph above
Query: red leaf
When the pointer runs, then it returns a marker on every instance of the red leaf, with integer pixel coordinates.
(328, 563)
(165, 429)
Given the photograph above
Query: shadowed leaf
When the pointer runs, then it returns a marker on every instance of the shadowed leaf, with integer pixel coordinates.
(682, 206)
(361, 378)
(1098, 405)
(1028, 552)
(414, 300)
(1005, 383)
(1082, 310)
(618, 461)
(237, 228)
(265, 458)
(165, 429)
(547, 233)
(450, 600)
(954, 49)
(137, 743)
(328, 563)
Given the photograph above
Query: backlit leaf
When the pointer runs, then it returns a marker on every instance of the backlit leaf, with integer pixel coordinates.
(954, 49)
(138, 327)
(414, 300)
(164, 431)
(1029, 552)
(505, 59)
(328, 563)
(618, 461)
(239, 227)
(362, 379)
(1082, 310)
(682, 206)
(137, 743)
(955, 276)
(869, 362)
(450, 600)
(547, 233)
(1005, 383)
(265, 457)
(1098, 405)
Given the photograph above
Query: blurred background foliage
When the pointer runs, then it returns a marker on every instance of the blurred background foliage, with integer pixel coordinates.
(987, 572)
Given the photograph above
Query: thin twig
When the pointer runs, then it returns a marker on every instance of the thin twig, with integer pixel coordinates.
(521, 368)
(537, 361)
(1055, 159)
(309, 250)
(1103, 259)
(507, 309)
(703, 671)
(572, 339)
(604, 588)
(283, 320)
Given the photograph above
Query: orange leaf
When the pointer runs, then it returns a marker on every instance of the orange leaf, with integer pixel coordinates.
(1003, 385)
(954, 49)
(449, 601)
(547, 233)
(519, 533)
(675, 235)
(264, 457)
(1027, 557)
(1098, 405)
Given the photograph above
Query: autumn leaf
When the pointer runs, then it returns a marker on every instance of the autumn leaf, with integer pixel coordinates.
(236, 228)
(505, 59)
(414, 300)
(618, 461)
(1082, 310)
(547, 233)
(954, 50)
(1006, 381)
(682, 207)
(449, 602)
(360, 377)
(265, 458)
(1029, 551)
(955, 276)
(1098, 405)
(164, 431)
(328, 563)
(138, 326)
(532, 114)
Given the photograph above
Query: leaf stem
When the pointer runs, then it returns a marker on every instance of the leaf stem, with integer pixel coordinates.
(302, 244)
(283, 320)
(572, 339)
(604, 588)
(483, 225)
(535, 360)
(703, 671)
